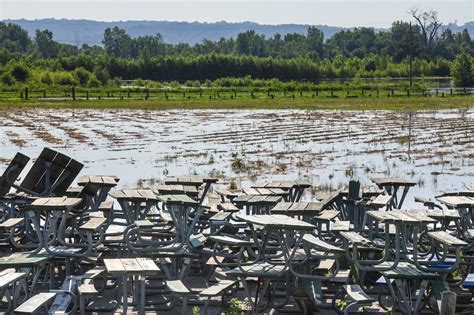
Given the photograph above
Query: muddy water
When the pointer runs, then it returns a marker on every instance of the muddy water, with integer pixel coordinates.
(327, 148)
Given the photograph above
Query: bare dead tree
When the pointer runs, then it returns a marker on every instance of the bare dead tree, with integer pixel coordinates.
(429, 24)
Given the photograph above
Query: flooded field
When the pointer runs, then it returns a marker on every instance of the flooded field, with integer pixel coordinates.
(327, 148)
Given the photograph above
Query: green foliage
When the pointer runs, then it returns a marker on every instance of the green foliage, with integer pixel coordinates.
(462, 70)
(7, 79)
(82, 75)
(64, 78)
(237, 307)
(20, 72)
(45, 44)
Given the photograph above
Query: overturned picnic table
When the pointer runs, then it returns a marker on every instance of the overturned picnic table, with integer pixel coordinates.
(295, 188)
(392, 186)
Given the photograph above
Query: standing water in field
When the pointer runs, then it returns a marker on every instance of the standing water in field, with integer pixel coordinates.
(326, 148)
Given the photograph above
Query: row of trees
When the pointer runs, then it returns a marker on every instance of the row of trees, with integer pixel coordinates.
(361, 52)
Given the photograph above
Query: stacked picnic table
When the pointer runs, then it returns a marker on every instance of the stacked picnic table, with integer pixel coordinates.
(192, 241)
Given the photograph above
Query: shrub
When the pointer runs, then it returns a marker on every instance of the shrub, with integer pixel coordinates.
(20, 72)
(93, 82)
(82, 75)
(46, 78)
(64, 79)
(7, 79)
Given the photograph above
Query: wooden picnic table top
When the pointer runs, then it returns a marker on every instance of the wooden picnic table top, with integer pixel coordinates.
(134, 194)
(367, 191)
(265, 191)
(277, 221)
(123, 266)
(193, 180)
(457, 201)
(401, 216)
(251, 199)
(177, 189)
(103, 180)
(439, 214)
(297, 208)
(393, 181)
(54, 203)
(283, 184)
(178, 199)
(406, 270)
(21, 260)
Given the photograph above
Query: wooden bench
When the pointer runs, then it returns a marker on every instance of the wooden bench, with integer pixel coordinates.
(216, 290)
(93, 224)
(220, 216)
(34, 303)
(227, 207)
(315, 242)
(355, 238)
(360, 298)
(178, 288)
(341, 226)
(231, 241)
(11, 223)
(446, 238)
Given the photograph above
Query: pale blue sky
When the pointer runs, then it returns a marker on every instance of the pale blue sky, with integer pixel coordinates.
(347, 13)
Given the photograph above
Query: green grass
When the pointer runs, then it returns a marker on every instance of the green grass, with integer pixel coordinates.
(383, 103)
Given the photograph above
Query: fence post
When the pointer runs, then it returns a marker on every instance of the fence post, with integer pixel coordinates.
(408, 92)
(73, 92)
(448, 303)
(26, 93)
(44, 93)
(87, 95)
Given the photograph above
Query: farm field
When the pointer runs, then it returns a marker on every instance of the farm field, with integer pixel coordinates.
(326, 148)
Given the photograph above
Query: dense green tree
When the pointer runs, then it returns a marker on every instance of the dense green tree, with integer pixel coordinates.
(20, 72)
(117, 42)
(462, 70)
(45, 44)
(14, 38)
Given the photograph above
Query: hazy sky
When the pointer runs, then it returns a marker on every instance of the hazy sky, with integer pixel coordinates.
(378, 13)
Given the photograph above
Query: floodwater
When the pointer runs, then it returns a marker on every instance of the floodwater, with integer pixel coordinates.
(326, 148)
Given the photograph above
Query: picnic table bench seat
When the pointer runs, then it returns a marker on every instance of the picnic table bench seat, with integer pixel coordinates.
(259, 269)
(231, 241)
(36, 302)
(341, 226)
(93, 224)
(12, 222)
(321, 245)
(326, 216)
(446, 238)
(355, 292)
(227, 207)
(355, 238)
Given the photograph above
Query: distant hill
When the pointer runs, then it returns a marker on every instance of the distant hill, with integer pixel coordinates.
(78, 32)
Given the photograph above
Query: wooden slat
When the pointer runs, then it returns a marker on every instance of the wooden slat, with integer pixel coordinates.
(148, 266)
(114, 266)
(446, 238)
(131, 265)
(10, 278)
(177, 287)
(35, 302)
(93, 224)
(357, 294)
(8, 224)
(355, 238)
(321, 245)
(218, 288)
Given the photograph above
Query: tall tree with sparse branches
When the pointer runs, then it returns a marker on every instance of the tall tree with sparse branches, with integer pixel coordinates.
(430, 25)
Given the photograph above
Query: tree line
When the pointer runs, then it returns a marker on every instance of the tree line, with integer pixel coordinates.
(360, 52)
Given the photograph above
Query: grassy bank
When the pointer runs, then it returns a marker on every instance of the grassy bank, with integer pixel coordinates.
(396, 103)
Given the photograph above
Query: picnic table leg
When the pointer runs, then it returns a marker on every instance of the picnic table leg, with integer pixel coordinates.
(142, 294)
(124, 294)
(423, 285)
(404, 194)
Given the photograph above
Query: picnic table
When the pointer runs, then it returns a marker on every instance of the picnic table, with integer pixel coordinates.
(135, 203)
(45, 214)
(392, 186)
(102, 184)
(295, 188)
(289, 231)
(404, 275)
(470, 187)
(256, 204)
(133, 271)
(194, 181)
(28, 263)
(301, 210)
